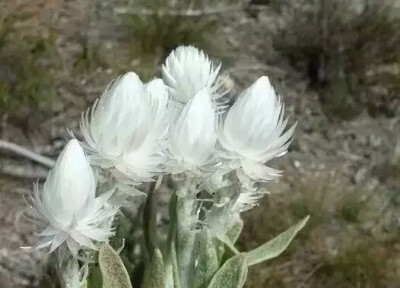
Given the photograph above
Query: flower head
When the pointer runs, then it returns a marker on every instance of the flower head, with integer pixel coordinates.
(127, 127)
(192, 138)
(253, 130)
(67, 206)
(187, 70)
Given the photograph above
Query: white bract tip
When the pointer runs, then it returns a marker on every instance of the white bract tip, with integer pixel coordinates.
(187, 70)
(67, 206)
(192, 139)
(126, 128)
(253, 130)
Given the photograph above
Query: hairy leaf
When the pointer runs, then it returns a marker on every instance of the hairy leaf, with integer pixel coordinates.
(235, 230)
(112, 269)
(276, 246)
(155, 273)
(207, 259)
(232, 274)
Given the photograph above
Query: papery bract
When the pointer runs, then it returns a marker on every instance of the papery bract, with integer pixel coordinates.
(67, 206)
(127, 127)
(192, 138)
(187, 70)
(251, 135)
(253, 130)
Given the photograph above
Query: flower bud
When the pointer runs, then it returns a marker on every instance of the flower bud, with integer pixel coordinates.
(126, 129)
(67, 206)
(187, 70)
(253, 130)
(192, 139)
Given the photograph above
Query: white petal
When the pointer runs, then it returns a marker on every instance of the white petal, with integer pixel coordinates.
(49, 231)
(254, 125)
(67, 205)
(58, 240)
(97, 234)
(259, 172)
(193, 136)
(187, 70)
(44, 242)
(73, 246)
(109, 124)
(128, 128)
(82, 240)
(70, 185)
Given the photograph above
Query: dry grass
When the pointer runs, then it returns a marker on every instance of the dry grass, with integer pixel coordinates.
(350, 240)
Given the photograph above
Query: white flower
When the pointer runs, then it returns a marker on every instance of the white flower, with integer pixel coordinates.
(126, 128)
(187, 70)
(253, 131)
(67, 206)
(193, 136)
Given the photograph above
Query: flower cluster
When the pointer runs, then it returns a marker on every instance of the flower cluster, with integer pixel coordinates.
(176, 125)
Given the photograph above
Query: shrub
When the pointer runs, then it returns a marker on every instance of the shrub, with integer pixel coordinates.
(350, 52)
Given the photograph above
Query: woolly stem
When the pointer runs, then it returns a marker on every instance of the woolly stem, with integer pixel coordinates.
(186, 219)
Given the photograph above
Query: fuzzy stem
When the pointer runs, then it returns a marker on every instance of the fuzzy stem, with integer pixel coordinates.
(185, 237)
(170, 254)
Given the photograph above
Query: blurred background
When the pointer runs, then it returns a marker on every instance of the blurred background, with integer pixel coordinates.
(334, 62)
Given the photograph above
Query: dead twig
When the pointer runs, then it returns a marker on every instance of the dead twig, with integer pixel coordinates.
(24, 152)
(310, 275)
(184, 13)
(22, 171)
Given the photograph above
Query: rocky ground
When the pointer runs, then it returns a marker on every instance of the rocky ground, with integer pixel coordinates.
(363, 152)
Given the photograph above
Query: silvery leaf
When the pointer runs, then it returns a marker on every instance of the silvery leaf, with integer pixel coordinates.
(112, 269)
(276, 246)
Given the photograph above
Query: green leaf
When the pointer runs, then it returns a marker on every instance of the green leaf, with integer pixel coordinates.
(155, 274)
(112, 269)
(235, 230)
(207, 259)
(94, 279)
(220, 246)
(229, 240)
(229, 245)
(232, 274)
(276, 246)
